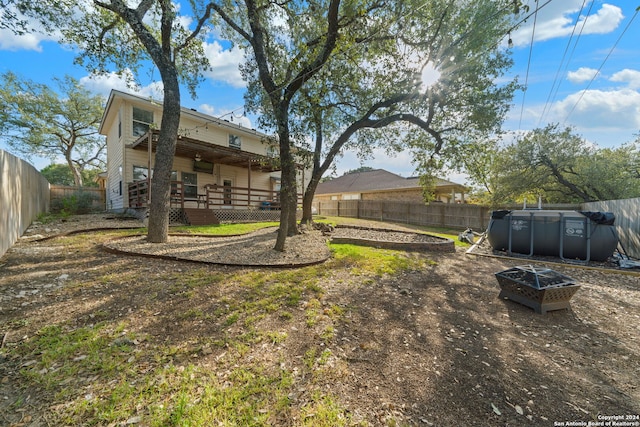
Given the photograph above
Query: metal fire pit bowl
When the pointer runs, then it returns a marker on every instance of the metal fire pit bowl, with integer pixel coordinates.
(541, 289)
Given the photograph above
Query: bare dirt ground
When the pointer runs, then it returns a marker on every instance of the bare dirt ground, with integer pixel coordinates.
(434, 346)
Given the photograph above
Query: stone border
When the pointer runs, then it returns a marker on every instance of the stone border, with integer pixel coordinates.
(444, 245)
(115, 251)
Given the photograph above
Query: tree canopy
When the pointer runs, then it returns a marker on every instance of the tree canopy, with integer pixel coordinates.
(352, 73)
(59, 174)
(122, 36)
(561, 167)
(37, 120)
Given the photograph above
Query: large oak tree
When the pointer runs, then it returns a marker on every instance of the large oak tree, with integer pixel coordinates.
(37, 120)
(349, 72)
(559, 166)
(125, 36)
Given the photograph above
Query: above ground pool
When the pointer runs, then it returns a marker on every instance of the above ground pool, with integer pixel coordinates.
(587, 236)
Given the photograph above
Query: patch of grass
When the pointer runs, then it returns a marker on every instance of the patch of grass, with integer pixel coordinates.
(58, 353)
(363, 260)
(323, 410)
(277, 337)
(312, 312)
(191, 314)
(328, 333)
(223, 229)
(231, 319)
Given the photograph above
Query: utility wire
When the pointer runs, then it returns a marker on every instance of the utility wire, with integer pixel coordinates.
(601, 65)
(564, 55)
(526, 80)
(575, 45)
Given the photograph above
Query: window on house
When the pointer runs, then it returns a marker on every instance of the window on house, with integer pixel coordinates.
(272, 151)
(174, 180)
(351, 196)
(142, 120)
(234, 141)
(140, 173)
(190, 185)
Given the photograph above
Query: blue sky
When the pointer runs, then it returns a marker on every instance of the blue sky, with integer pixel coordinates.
(590, 80)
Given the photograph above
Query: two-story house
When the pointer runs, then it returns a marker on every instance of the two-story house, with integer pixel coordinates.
(219, 166)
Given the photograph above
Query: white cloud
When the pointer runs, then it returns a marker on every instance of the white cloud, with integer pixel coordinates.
(31, 40)
(224, 64)
(632, 77)
(105, 82)
(581, 75)
(558, 19)
(12, 42)
(597, 109)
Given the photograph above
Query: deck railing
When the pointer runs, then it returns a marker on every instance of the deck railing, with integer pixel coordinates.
(211, 196)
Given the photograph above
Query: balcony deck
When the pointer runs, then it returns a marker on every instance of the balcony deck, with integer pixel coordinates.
(229, 204)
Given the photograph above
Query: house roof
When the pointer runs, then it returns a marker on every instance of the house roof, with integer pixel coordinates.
(116, 96)
(188, 146)
(375, 180)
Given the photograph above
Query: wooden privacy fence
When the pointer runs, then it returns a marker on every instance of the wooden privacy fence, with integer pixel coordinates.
(445, 215)
(456, 216)
(61, 192)
(24, 194)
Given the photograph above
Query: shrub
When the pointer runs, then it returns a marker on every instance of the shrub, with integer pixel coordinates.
(78, 203)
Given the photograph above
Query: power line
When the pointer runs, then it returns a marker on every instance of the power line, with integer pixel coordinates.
(601, 65)
(526, 80)
(564, 55)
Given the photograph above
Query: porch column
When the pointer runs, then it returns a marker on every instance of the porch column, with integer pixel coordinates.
(149, 150)
(249, 186)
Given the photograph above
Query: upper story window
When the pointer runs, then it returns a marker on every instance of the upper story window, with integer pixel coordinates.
(272, 151)
(142, 120)
(234, 141)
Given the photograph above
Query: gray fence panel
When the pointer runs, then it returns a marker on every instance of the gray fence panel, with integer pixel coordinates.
(627, 214)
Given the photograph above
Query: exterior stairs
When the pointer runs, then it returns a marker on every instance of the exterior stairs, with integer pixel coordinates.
(201, 216)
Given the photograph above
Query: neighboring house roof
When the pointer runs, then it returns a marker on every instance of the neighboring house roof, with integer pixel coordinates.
(375, 180)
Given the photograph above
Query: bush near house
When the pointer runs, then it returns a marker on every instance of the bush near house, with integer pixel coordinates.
(80, 202)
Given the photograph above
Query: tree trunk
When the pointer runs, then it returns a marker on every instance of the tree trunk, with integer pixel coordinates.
(161, 184)
(288, 196)
(307, 200)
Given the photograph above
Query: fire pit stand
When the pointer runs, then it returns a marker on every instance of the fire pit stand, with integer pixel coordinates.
(541, 289)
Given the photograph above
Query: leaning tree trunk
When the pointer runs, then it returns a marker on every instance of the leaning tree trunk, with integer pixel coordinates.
(161, 184)
(307, 200)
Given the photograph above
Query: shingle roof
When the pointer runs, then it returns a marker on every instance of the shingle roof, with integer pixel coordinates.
(374, 180)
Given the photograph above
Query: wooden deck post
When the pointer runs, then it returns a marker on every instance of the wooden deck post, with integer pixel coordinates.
(249, 185)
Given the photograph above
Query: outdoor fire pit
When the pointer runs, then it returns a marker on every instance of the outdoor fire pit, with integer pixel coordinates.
(539, 288)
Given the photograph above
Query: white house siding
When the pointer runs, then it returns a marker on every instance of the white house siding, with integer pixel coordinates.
(114, 193)
(193, 125)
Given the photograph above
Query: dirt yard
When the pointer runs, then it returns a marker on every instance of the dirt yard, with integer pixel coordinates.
(431, 346)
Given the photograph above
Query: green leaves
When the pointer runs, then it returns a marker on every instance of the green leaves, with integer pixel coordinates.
(38, 121)
(561, 167)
